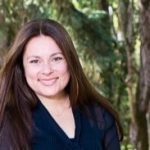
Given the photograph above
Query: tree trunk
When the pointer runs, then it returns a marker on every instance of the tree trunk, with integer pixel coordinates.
(126, 24)
(144, 105)
(138, 126)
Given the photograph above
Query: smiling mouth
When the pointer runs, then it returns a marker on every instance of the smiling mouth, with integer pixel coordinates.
(48, 82)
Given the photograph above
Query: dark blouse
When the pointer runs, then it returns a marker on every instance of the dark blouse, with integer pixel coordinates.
(89, 135)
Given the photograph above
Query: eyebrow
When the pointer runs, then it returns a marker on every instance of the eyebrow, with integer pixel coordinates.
(56, 54)
(35, 56)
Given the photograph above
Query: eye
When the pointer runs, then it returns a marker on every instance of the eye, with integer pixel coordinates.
(35, 61)
(56, 59)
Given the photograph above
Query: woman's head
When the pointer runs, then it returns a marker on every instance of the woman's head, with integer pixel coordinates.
(45, 68)
(34, 33)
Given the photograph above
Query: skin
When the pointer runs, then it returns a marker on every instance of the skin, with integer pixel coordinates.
(47, 74)
(46, 69)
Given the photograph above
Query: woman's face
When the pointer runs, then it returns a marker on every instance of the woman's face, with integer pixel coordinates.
(45, 67)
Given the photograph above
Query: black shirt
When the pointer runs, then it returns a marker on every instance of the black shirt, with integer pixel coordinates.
(47, 135)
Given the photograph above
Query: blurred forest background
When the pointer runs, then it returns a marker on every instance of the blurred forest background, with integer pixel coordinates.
(112, 38)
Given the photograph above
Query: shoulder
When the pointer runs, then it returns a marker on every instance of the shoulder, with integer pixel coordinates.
(106, 125)
(5, 136)
(104, 118)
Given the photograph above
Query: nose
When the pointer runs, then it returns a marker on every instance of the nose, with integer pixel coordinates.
(47, 69)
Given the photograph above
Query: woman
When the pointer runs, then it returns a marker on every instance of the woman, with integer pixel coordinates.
(46, 102)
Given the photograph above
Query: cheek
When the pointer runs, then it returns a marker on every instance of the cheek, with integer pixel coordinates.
(65, 74)
(64, 71)
(30, 75)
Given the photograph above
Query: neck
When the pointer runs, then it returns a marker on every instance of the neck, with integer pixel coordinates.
(55, 102)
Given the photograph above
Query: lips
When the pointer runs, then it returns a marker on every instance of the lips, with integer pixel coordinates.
(48, 82)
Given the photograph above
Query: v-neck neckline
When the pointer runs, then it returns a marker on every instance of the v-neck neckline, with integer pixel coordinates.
(53, 125)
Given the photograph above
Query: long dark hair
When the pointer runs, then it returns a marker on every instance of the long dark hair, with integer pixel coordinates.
(17, 99)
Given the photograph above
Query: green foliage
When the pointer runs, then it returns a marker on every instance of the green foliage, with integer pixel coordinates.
(89, 27)
(102, 56)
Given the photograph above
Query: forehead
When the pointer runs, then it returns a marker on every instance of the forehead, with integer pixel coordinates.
(41, 45)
